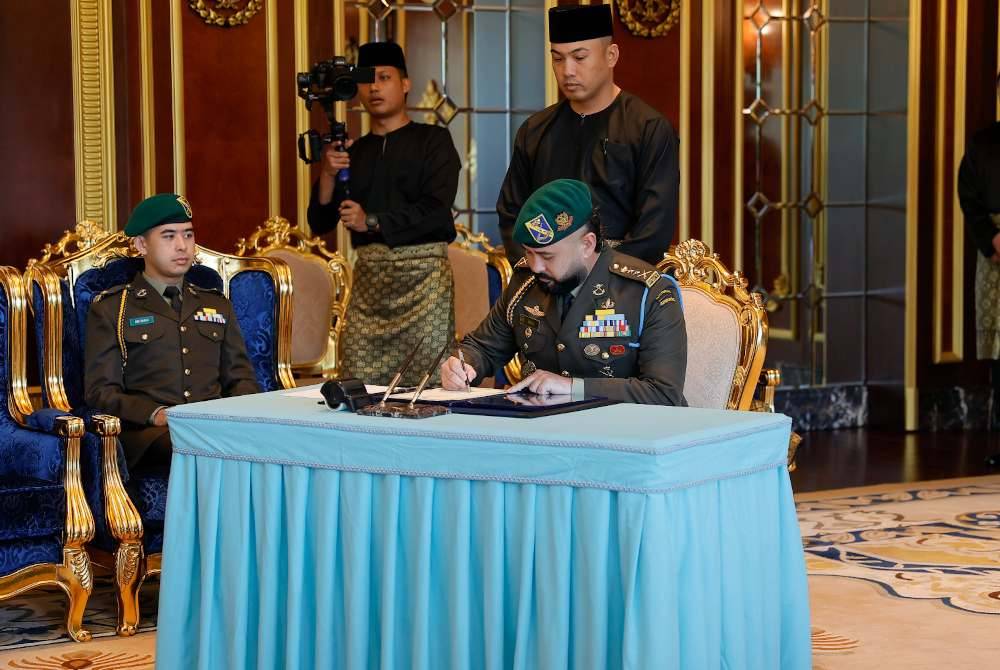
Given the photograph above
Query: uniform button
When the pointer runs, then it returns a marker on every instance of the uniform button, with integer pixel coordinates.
(145, 337)
(187, 394)
(565, 373)
(185, 350)
(184, 329)
(560, 346)
(215, 334)
(187, 371)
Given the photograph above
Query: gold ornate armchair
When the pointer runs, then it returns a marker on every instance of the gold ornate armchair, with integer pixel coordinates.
(482, 273)
(322, 283)
(63, 282)
(46, 519)
(727, 334)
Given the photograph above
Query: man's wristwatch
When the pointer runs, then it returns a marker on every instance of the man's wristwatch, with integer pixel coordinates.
(371, 221)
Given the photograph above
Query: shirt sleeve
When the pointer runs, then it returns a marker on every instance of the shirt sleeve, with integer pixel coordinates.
(972, 197)
(236, 373)
(656, 193)
(432, 212)
(515, 190)
(491, 346)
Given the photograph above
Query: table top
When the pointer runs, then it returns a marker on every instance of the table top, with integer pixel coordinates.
(625, 447)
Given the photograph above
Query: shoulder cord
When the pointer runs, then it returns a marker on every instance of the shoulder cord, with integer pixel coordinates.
(121, 327)
(517, 297)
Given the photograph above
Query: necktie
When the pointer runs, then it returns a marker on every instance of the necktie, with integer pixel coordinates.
(567, 303)
(174, 295)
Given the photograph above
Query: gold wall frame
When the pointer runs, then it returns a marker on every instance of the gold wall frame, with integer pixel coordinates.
(147, 114)
(94, 112)
(177, 101)
(911, 420)
(273, 109)
(686, 140)
(300, 12)
(947, 211)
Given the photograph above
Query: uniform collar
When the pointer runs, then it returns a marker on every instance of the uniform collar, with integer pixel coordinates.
(160, 287)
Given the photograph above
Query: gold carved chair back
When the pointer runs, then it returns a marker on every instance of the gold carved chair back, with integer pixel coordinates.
(322, 281)
(726, 329)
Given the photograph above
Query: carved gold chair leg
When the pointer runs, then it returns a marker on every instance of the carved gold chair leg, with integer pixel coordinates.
(130, 563)
(125, 526)
(74, 574)
(793, 447)
(75, 577)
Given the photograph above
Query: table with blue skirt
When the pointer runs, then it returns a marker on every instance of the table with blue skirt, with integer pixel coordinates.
(625, 536)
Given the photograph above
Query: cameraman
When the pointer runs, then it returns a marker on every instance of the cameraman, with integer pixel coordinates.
(397, 205)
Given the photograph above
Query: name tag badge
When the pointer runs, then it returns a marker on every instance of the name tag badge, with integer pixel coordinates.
(141, 320)
(529, 322)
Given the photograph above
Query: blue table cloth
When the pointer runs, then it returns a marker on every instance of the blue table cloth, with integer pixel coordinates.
(626, 536)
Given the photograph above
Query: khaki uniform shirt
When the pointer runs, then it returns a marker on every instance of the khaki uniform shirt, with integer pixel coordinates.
(624, 334)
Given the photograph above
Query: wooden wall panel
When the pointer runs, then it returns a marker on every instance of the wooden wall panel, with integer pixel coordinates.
(225, 121)
(36, 127)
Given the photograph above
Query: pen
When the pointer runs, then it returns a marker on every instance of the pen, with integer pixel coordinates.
(461, 359)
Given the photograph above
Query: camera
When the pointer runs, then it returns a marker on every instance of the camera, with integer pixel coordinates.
(328, 82)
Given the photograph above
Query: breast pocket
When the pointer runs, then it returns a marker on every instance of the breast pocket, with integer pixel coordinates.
(609, 357)
(619, 168)
(144, 331)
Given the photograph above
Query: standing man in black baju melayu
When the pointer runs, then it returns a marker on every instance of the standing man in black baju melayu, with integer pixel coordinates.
(397, 204)
(625, 150)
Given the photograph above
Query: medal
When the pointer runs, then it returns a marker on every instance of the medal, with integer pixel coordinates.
(591, 349)
(608, 304)
(535, 311)
(599, 289)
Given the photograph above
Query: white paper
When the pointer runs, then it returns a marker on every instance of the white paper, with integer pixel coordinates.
(441, 395)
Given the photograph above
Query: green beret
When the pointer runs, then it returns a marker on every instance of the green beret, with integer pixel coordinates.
(553, 212)
(157, 210)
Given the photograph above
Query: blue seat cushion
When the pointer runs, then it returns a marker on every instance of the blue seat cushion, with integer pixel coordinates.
(149, 495)
(31, 508)
(17, 554)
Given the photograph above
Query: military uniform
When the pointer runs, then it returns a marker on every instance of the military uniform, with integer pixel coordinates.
(623, 334)
(142, 355)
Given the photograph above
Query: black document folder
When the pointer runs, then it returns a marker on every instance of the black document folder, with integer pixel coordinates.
(523, 405)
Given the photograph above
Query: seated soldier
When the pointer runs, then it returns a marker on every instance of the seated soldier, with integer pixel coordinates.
(160, 341)
(587, 322)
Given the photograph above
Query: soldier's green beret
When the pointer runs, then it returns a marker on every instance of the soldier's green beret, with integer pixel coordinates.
(553, 212)
(157, 210)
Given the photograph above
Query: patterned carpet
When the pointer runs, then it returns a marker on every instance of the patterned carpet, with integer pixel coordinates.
(900, 576)
(905, 576)
(37, 617)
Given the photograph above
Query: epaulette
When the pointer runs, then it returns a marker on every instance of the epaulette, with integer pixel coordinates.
(111, 291)
(647, 277)
(522, 264)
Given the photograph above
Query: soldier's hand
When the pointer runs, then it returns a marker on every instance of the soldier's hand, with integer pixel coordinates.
(160, 417)
(336, 158)
(353, 216)
(454, 376)
(545, 383)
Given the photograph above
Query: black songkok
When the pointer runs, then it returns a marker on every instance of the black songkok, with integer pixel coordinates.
(576, 23)
(375, 54)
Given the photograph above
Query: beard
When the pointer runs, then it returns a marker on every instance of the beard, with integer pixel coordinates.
(563, 286)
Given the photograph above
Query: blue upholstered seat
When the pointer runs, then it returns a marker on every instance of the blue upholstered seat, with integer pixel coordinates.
(40, 543)
(253, 288)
